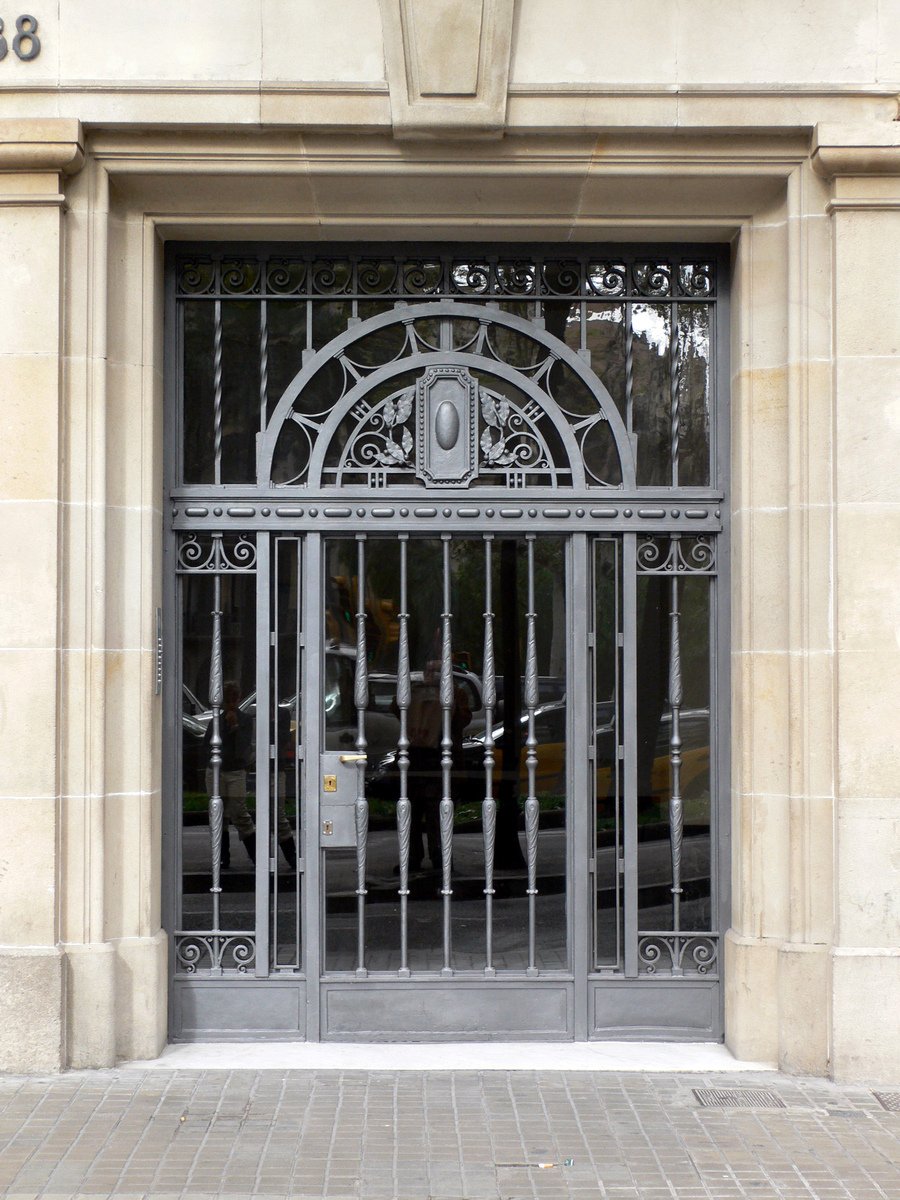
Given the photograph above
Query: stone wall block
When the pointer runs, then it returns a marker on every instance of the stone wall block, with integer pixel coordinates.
(32, 1004)
(28, 885)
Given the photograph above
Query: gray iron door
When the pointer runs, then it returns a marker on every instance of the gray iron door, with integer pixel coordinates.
(447, 585)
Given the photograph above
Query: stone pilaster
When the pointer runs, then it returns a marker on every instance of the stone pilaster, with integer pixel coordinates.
(35, 155)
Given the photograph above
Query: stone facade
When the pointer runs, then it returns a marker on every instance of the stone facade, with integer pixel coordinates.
(771, 126)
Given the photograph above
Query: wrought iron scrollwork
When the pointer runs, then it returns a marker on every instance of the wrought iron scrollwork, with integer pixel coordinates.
(660, 555)
(216, 553)
(214, 953)
(678, 954)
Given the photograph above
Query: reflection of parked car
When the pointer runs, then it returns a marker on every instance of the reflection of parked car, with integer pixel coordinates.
(382, 728)
(550, 731)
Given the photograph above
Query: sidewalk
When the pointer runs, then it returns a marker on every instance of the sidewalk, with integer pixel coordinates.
(492, 1134)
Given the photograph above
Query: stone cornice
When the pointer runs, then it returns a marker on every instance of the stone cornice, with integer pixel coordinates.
(41, 144)
(856, 150)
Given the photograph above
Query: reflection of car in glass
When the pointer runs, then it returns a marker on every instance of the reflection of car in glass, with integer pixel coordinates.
(381, 728)
(550, 731)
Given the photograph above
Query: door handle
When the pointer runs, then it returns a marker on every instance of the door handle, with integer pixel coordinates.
(354, 758)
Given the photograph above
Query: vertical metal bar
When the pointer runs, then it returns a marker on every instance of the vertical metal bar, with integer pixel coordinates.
(674, 373)
(361, 700)
(676, 808)
(629, 367)
(217, 393)
(311, 722)
(629, 736)
(298, 790)
(580, 810)
(446, 806)
(266, 843)
(404, 808)
(489, 804)
(531, 802)
(216, 696)
(264, 594)
(617, 742)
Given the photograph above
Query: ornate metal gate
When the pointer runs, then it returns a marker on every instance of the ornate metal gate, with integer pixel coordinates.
(446, 588)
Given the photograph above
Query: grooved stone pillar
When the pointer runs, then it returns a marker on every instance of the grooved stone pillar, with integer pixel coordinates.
(34, 154)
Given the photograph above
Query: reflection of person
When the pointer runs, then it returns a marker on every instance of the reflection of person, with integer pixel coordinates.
(425, 727)
(236, 732)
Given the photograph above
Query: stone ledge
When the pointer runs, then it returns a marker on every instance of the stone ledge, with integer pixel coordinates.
(856, 150)
(41, 144)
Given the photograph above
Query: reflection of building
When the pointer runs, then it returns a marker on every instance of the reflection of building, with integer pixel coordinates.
(789, 158)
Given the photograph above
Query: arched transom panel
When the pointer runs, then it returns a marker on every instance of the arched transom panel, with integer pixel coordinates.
(446, 395)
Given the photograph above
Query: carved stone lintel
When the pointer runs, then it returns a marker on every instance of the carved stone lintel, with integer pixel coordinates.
(447, 66)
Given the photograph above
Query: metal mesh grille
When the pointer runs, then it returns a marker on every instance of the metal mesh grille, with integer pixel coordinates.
(737, 1098)
(888, 1100)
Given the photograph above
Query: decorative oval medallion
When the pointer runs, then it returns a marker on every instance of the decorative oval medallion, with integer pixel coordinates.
(446, 425)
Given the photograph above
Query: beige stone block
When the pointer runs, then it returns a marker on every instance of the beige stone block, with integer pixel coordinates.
(165, 105)
(90, 1005)
(812, 572)
(761, 744)
(211, 41)
(760, 874)
(124, 851)
(812, 726)
(125, 328)
(816, 484)
(311, 42)
(868, 878)
(129, 701)
(868, 746)
(28, 722)
(887, 62)
(626, 190)
(804, 983)
(30, 297)
(812, 869)
(751, 998)
(30, 387)
(761, 433)
(333, 108)
(767, 581)
(867, 577)
(834, 43)
(128, 456)
(31, 1010)
(867, 429)
(865, 1046)
(28, 870)
(28, 574)
(129, 599)
(867, 294)
(142, 996)
(570, 41)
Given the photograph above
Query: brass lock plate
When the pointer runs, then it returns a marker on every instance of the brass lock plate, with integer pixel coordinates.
(329, 783)
(327, 828)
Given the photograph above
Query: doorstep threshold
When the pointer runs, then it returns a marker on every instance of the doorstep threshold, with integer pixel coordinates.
(447, 1056)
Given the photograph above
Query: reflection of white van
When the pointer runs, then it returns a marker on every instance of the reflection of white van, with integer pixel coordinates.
(382, 726)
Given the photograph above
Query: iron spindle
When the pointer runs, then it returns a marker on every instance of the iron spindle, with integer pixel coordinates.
(676, 806)
(217, 392)
(489, 804)
(216, 697)
(361, 700)
(404, 808)
(446, 806)
(531, 802)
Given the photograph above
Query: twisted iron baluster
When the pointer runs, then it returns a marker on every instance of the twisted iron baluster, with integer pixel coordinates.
(216, 807)
(489, 804)
(446, 808)
(629, 367)
(404, 810)
(361, 700)
(676, 807)
(675, 368)
(531, 803)
(217, 392)
(263, 363)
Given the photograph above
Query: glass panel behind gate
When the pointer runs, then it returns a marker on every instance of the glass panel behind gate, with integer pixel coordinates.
(474, 687)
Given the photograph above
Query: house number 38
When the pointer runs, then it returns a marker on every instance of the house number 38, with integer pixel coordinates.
(26, 44)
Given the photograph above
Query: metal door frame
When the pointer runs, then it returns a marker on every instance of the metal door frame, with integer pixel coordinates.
(643, 507)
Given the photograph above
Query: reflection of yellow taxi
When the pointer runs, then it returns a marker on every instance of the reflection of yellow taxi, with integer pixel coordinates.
(550, 731)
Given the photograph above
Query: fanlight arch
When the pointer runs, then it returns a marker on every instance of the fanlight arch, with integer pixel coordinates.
(460, 413)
